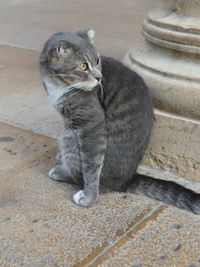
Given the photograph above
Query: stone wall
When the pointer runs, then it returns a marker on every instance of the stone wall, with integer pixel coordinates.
(175, 146)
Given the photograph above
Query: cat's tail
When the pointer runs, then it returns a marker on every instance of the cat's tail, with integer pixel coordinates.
(166, 191)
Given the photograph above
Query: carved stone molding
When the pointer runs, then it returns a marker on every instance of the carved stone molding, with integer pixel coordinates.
(169, 58)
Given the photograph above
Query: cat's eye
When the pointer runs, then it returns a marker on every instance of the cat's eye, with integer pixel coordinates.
(84, 66)
(98, 61)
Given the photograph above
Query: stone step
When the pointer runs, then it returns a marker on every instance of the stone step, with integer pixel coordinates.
(41, 226)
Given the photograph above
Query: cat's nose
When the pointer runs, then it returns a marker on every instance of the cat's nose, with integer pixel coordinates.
(97, 74)
(98, 78)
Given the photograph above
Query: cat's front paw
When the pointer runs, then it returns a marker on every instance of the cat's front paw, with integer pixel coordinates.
(81, 199)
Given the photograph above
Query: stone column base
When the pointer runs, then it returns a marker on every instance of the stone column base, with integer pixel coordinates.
(168, 60)
(172, 77)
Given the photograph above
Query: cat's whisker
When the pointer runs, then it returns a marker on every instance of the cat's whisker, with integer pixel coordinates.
(73, 90)
(58, 75)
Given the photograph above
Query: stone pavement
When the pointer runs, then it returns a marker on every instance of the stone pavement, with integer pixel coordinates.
(41, 226)
(39, 223)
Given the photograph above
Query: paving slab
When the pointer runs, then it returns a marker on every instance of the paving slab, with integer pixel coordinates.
(41, 226)
(169, 239)
(19, 149)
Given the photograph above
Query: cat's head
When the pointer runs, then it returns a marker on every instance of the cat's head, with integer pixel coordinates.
(71, 59)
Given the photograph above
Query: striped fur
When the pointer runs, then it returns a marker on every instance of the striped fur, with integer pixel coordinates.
(107, 123)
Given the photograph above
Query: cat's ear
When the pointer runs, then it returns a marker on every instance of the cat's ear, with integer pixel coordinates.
(87, 33)
(91, 35)
(62, 49)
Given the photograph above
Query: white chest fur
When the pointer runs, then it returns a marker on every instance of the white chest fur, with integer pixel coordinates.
(54, 92)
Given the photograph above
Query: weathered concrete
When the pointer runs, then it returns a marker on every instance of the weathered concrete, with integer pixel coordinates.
(175, 146)
(41, 226)
(167, 239)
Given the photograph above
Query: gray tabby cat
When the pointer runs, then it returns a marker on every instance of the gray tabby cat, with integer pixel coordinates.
(108, 117)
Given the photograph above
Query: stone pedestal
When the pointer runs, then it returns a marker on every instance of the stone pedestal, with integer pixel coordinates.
(169, 61)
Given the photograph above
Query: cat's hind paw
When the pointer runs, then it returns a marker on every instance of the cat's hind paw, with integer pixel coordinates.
(55, 174)
(60, 174)
(81, 199)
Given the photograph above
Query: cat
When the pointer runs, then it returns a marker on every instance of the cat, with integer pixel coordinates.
(108, 117)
